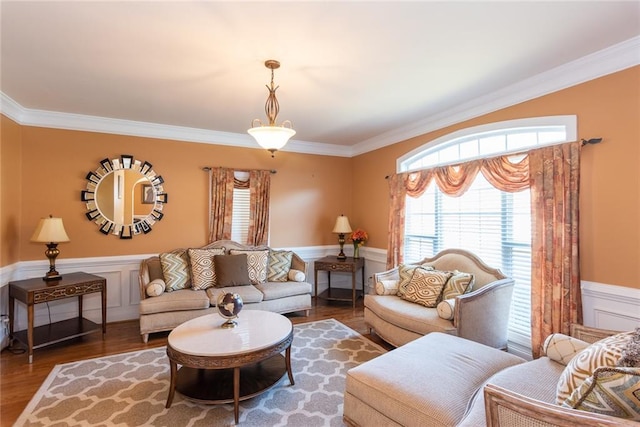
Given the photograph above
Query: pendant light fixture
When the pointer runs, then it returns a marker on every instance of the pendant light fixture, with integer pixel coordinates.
(271, 137)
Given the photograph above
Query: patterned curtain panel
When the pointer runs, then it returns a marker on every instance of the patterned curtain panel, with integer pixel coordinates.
(552, 174)
(221, 204)
(555, 268)
(259, 190)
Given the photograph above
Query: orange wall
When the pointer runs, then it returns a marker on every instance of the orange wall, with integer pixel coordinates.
(47, 168)
(608, 107)
(307, 193)
(10, 194)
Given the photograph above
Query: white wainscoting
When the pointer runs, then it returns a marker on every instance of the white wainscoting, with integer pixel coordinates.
(604, 306)
(123, 295)
(610, 307)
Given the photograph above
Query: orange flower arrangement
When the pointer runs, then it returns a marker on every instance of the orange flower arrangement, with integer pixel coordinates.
(358, 237)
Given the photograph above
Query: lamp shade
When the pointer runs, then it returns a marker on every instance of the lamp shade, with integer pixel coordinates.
(342, 225)
(271, 137)
(50, 230)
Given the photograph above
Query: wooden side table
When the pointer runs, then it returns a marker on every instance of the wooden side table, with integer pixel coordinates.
(36, 291)
(333, 264)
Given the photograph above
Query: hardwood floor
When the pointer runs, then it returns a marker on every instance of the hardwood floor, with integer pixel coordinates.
(19, 380)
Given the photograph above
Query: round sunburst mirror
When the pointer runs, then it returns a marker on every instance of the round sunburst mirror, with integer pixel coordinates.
(124, 197)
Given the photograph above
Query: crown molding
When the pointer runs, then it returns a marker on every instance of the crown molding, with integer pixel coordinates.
(607, 61)
(598, 64)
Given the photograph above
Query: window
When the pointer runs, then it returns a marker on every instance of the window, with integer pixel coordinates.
(241, 210)
(493, 224)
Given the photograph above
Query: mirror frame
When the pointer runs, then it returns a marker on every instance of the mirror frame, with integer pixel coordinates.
(107, 226)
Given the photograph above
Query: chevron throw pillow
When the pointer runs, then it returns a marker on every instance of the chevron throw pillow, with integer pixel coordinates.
(175, 269)
(279, 266)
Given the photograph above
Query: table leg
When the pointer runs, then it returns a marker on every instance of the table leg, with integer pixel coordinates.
(30, 331)
(316, 284)
(236, 393)
(172, 384)
(103, 294)
(287, 359)
(363, 288)
(353, 288)
(11, 316)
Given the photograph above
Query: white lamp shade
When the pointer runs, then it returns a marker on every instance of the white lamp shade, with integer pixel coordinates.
(271, 137)
(50, 230)
(342, 225)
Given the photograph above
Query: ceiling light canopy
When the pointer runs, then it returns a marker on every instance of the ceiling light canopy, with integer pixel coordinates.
(271, 137)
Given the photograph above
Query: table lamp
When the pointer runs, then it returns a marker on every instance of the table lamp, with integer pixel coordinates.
(51, 231)
(341, 228)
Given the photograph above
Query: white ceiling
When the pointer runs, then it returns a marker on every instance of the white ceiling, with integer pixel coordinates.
(354, 74)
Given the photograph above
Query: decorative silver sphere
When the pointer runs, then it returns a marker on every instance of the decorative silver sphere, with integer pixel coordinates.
(229, 305)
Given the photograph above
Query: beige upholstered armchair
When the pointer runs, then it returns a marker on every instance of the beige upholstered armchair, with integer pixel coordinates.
(504, 407)
(480, 315)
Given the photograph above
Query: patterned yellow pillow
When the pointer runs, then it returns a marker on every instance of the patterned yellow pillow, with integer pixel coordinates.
(203, 272)
(609, 391)
(425, 287)
(604, 353)
(459, 283)
(406, 273)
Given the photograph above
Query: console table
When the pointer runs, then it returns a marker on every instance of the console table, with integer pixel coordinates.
(37, 291)
(333, 264)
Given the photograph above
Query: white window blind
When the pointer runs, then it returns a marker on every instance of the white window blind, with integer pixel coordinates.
(240, 218)
(241, 210)
(494, 225)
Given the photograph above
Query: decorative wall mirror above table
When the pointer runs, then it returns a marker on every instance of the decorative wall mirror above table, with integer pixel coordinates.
(124, 197)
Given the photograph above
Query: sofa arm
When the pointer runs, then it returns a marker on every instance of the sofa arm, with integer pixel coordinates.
(298, 263)
(507, 408)
(483, 315)
(589, 334)
(392, 274)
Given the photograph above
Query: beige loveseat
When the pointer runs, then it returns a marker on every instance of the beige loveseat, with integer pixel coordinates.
(481, 314)
(443, 380)
(169, 309)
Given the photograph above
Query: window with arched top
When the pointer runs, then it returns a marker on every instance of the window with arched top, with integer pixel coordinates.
(494, 224)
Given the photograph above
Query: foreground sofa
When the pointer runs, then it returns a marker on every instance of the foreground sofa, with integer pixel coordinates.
(481, 314)
(442, 380)
(165, 311)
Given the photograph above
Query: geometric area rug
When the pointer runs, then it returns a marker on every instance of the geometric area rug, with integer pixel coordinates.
(131, 389)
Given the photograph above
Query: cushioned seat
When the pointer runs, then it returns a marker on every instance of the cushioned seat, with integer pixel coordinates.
(420, 370)
(530, 379)
(408, 315)
(249, 294)
(277, 290)
(184, 299)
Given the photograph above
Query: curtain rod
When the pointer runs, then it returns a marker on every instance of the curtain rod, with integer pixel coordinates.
(208, 168)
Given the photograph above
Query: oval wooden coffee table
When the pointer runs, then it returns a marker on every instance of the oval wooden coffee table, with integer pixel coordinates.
(221, 365)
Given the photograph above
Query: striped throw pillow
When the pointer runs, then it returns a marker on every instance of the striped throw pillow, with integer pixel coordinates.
(279, 265)
(175, 270)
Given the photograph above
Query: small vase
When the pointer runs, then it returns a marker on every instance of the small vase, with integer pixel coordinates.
(356, 250)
